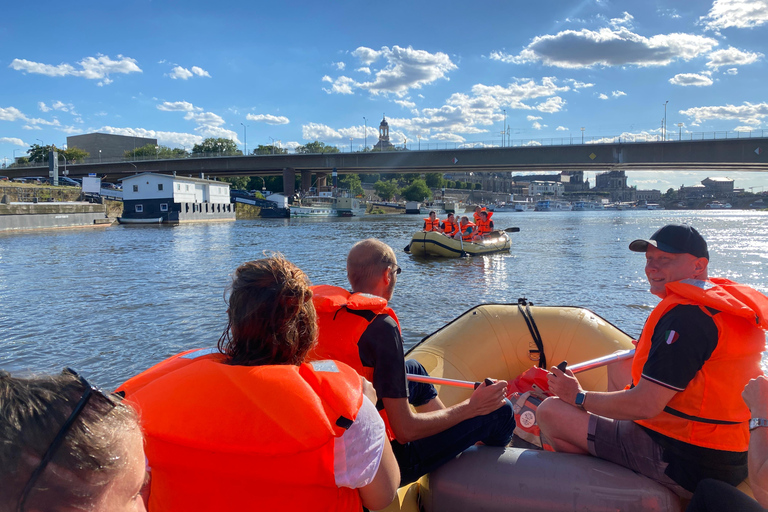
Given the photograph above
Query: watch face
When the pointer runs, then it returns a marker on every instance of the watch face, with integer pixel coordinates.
(580, 398)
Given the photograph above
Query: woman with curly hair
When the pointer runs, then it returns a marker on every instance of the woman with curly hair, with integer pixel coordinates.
(250, 426)
(65, 445)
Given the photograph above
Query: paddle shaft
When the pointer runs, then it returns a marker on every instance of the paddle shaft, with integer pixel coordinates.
(576, 368)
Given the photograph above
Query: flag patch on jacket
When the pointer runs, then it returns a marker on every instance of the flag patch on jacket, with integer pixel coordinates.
(671, 337)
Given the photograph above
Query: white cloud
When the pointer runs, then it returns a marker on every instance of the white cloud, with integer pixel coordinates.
(748, 113)
(314, 131)
(13, 140)
(406, 104)
(364, 69)
(166, 138)
(578, 85)
(618, 94)
(561, 129)
(607, 47)
(178, 106)
(533, 118)
(668, 13)
(43, 107)
(32, 123)
(217, 132)
(339, 65)
(91, 68)
(694, 79)
(737, 14)
(404, 69)
(625, 20)
(731, 57)
(200, 71)
(268, 118)
(551, 105)
(732, 71)
(602, 96)
(180, 73)
(538, 126)
(205, 118)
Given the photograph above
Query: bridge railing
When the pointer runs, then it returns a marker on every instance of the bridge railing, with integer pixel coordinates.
(572, 139)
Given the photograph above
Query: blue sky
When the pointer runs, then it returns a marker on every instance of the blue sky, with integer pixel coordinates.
(442, 72)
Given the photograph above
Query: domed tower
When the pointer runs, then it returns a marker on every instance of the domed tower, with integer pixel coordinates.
(384, 144)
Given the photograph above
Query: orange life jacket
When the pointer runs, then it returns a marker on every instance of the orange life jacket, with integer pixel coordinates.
(476, 215)
(431, 225)
(710, 412)
(450, 227)
(467, 236)
(342, 318)
(227, 437)
(483, 227)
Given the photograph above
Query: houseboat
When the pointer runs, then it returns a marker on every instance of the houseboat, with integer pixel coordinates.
(151, 198)
(553, 206)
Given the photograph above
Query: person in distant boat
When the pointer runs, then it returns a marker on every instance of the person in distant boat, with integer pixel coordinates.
(359, 328)
(716, 496)
(432, 223)
(466, 230)
(680, 418)
(484, 226)
(249, 425)
(65, 445)
(449, 227)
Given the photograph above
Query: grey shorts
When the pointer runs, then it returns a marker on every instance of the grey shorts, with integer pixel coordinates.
(625, 443)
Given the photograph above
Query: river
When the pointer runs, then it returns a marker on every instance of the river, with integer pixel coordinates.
(111, 302)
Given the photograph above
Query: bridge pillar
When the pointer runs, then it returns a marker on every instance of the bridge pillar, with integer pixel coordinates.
(289, 181)
(321, 180)
(306, 180)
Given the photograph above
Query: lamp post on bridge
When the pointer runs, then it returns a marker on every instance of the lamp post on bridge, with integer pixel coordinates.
(419, 137)
(365, 134)
(245, 139)
(582, 134)
(273, 144)
(504, 129)
(680, 136)
(99, 156)
(665, 120)
(350, 144)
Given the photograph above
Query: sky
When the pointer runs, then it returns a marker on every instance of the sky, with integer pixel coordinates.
(292, 72)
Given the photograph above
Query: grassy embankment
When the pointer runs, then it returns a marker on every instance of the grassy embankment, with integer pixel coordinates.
(27, 192)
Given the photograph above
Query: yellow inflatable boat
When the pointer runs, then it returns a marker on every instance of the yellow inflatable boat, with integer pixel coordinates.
(502, 341)
(433, 243)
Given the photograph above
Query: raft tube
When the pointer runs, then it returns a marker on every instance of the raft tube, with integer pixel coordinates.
(436, 244)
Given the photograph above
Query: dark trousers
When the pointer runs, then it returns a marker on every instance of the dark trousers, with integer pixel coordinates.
(419, 457)
(716, 496)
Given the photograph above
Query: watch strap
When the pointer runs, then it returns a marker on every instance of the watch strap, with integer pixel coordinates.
(757, 422)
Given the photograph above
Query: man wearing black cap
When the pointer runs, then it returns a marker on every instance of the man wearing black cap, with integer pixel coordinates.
(681, 417)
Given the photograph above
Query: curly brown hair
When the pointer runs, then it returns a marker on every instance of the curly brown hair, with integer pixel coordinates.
(271, 316)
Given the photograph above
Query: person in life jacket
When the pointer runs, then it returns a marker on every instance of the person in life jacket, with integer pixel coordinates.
(249, 425)
(682, 406)
(478, 211)
(432, 223)
(449, 227)
(466, 230)
(484, 226)
(360, 329)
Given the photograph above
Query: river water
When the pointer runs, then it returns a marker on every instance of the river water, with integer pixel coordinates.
(111, 302)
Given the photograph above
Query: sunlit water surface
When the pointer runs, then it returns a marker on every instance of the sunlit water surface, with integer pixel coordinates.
(112, 302)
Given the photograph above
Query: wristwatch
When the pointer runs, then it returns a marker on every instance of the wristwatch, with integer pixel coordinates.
(582, 395)
(754, 422)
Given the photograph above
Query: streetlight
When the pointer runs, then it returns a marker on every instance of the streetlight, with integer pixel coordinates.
(665, 120)
(419, 137)
(42, 146)
(245, 139)
(582, 134)
(365, 134)
(273, 144)
(350, 144)
(99, 156)
(65, 164)
(504, 129)
(680, 125)
(405, 144)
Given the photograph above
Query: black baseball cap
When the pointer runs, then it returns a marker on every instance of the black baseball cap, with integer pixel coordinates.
(674, 239)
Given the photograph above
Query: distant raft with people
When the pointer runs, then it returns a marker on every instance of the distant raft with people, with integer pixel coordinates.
(436, 244)
(501, 341)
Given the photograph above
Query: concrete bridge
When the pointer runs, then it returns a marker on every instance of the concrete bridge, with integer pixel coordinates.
(747, 154)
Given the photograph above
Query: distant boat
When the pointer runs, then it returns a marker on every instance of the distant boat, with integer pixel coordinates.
(327, 206)
(717, 205)
(654, 206)
(553, 206)
(440, 207)
(582, 206)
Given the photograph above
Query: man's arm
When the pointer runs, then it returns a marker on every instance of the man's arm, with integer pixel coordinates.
(756, 397)
(409, 425)
(644, 401)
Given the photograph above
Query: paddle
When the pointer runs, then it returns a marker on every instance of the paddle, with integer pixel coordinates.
(576, 368)
(512, 230)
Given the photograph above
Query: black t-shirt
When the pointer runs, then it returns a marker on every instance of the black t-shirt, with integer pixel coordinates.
(381, 348)
(682, 342)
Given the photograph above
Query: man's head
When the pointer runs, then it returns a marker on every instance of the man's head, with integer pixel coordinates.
(483, 214)
(432, 214)
(464, 220)
(450, 216)
(673, 253)
(372, 268)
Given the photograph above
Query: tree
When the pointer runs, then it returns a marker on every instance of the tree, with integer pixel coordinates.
(316, 147)
(386, 190)
(416, 191)
(154, 151)
(352, 182)
(670, 194)
(38, 153)
(237, 182)
(74, 154)
(218, 146)
(434, 180)
(269, 150)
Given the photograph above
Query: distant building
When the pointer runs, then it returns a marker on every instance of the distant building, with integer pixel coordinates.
(719, 187)
(650, 196)
(107, 147)
(692, 192)
(384, 144)
(537, 188)
(615, 183)
(162, 198)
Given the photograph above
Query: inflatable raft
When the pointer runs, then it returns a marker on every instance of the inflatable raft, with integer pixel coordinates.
(502, 341)
(433, 243)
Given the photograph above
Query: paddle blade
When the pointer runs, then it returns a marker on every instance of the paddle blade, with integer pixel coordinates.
(512, 230)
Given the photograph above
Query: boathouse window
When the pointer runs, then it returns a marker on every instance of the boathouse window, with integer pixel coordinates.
(139, 207)
(163, 207)
(187, 188)
(159, 186)
(178, 187)
(135, 188)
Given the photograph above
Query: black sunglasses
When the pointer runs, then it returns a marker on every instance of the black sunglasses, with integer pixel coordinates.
(90, 390)
(397, 270)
